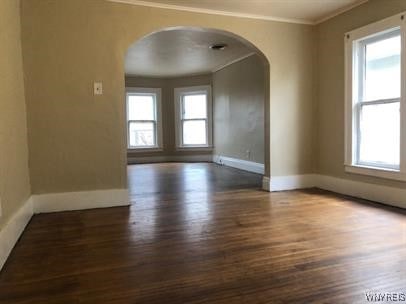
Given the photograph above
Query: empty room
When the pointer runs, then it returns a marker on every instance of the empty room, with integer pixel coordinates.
(201, 151)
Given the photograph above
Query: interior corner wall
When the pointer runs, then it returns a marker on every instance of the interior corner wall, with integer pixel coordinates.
(14, 176)
(167, 86)
(330, 85)
(239, 103)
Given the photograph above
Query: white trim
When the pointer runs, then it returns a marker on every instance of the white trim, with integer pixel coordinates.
(12, 230)
(172, 158)
(377, 193)
(67, 201)
(233, 61)
(239, 164)
(213, 12)
(292, 182)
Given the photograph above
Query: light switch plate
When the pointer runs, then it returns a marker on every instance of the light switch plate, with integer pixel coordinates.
(98, 88)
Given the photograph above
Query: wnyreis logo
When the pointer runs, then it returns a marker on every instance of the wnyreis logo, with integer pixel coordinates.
(385, 297)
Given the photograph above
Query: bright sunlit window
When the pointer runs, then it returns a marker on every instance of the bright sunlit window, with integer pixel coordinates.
(193, 116)
(143, 118)
(374, 58)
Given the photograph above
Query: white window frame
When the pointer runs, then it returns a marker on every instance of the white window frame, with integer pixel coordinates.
(178, 98)
(352, 101)
(158, 118)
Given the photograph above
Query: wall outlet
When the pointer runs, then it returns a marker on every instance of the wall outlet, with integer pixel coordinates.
(248, 154)
(98, 88)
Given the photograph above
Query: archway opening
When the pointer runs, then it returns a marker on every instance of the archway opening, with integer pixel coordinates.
(196, 95)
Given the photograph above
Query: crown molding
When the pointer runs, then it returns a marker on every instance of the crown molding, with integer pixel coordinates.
(212, 11)
(241, 15)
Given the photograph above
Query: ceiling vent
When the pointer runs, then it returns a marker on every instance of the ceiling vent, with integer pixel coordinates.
(218, 46)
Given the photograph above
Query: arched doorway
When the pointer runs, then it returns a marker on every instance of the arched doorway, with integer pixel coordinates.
(173, 53)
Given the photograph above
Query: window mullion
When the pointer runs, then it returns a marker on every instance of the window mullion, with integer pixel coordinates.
(380, 101)
(193, 119)
(141, 121)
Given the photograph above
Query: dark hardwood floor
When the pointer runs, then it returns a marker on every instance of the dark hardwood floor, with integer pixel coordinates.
(201, 233)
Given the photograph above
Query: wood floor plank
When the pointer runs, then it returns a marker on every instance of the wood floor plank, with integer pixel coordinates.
(203, 233)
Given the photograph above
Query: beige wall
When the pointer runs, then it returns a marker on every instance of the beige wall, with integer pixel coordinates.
(77, 140)
(14, 178)
(168, 109)
(330, 93)
(239, 106)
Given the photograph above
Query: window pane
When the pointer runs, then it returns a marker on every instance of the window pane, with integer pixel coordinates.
(194, 132)
(141, 107)
(194, 106)
(382, 69)
(142, 134)
(380, 134)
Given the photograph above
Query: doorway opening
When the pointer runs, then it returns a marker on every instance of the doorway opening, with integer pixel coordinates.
(196, 95)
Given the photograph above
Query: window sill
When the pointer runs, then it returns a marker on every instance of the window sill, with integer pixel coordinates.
(376, 172)
(141, 150)
(195, 148)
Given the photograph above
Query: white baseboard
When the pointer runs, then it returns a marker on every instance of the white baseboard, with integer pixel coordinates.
(291, 182)
(377, 193)
(55, 202)
(239, 164)
(13, 229)
(382, 194)
(173, 158)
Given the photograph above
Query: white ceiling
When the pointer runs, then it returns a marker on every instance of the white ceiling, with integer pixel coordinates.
(299, 11)
(182, 52)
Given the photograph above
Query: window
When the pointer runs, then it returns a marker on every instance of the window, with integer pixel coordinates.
(193, 113)
(143, 118)
(374, 99)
